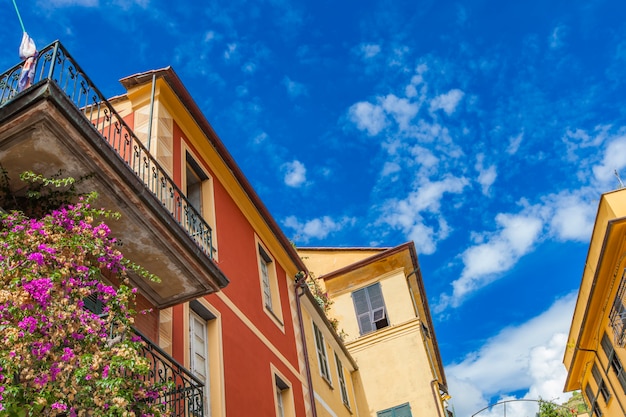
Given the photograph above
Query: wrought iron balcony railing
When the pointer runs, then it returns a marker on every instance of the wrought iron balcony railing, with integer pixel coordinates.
(186, 398)
(56, 64)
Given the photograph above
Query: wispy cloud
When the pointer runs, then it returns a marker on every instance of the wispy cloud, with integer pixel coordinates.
(493, 254)
(447, 102)
(66, 3)
(294, 89)
(486, 175)
(368, 117)
(369, 50)
(514, 144)
(614, 160)
(409, 214)
(566, 216)
(522, 357)
(318, 228)
(295, 173)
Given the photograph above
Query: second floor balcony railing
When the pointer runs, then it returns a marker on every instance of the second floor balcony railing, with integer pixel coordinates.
(55, 64)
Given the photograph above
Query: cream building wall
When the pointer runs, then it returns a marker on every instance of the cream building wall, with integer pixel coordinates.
(399, 363)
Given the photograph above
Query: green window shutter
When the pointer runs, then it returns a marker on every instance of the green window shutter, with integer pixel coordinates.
(402, 411)
(93, 304)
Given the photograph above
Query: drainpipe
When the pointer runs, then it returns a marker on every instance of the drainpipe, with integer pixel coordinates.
(301, 284)
(605, 370)
(435, 391)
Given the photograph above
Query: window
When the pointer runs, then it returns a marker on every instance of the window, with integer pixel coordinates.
(94, 304)
(614, 361)
(265, 263)
(195, 178)
(198, 214)
(370, 309)
(342, 382)
(198, 354)
(284, 400)
(280, 407)
(602, 389)
(617, 317)
(268, 280)
(593, 404)
(322, 358)
(403, 410)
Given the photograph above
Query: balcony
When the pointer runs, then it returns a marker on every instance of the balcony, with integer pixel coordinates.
(63, 123)
(186, 398)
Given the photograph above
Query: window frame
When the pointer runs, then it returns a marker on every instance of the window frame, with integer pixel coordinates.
(214, 391)
(268, 282)
(322, 354)
(613, 361)
(283, 395)
(602, 388)
(190, 161)
(363, 296)
(341, 377)
(617, 316)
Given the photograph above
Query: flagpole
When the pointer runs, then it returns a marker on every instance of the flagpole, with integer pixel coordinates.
(19, 16)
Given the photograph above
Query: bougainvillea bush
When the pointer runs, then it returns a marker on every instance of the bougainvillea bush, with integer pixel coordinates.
(57, 357)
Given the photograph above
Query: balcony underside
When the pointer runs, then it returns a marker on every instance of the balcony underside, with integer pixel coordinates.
(41, 130)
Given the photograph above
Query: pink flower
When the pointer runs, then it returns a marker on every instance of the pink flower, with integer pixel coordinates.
(59, 406)
(37, 257)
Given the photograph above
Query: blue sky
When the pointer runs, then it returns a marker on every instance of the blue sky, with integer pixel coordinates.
(484, 131)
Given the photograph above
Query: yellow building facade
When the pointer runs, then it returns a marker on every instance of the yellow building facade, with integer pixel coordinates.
(595, 355)
(380, 303)
(333, 371)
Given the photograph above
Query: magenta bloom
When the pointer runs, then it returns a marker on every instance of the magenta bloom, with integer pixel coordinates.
(37, 257)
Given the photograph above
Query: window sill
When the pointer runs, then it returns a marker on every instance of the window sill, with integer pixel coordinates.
(330, 384)
(274, 317)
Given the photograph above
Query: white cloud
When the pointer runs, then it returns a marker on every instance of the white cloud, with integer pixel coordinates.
(401, 109)
(484, 262)
(63, 3)
(369, 50)
(373, 118)
(614, 159)
(294, 89)
(578, 139)
(408, 214)
(519, 358)
(572, 216)
(230, 51)
(417, 80)
(368, 116)
(318, 228)
(249, 67)
(447, 102)
(514, 143)
(295, 173)
(390, 168)
(486, 176)
(556, 37)
(260, 138)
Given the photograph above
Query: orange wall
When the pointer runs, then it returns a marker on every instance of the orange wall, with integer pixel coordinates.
(249, 387)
